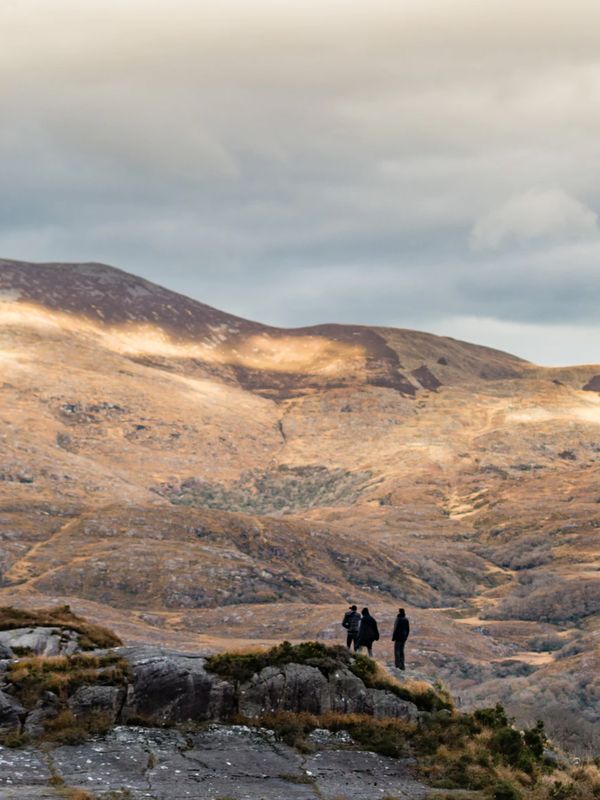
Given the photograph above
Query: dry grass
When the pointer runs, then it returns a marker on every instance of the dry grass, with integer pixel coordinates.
(90, 636)
(31, 677)
(456, 753)
(66, 728)
(423, 694)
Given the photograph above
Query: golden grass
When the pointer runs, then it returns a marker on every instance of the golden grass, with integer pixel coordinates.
(32, 676)
(91, 635)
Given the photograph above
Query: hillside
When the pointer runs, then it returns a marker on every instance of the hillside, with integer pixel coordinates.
(194, 478)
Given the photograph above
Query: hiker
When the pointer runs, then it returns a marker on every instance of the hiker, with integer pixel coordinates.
(399, 637)
(368, 632)
(351, 622)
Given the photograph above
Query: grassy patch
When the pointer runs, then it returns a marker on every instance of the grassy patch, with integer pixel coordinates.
(284, 489)
(454, 752)
(240, 667)
(31, 677)
(66, 728)
(14, 739)
(424, 696)
(91, 636)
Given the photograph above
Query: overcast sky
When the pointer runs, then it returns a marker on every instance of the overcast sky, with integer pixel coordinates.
(432, 164)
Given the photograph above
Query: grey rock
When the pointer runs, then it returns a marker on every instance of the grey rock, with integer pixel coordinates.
(48, 707)
(297, 688)
(173, 687)
(348, 693)
(11, 713)
(552, 758)
(221, 761)
(5, 651)
(98, 699)
(383, 704)
(24, 774)
(42, 641)
(293, 687)
(323, 736)
(356, 775)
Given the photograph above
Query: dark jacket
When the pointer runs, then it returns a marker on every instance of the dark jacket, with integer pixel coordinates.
(368, 631)
(351, 621)
(401, 629)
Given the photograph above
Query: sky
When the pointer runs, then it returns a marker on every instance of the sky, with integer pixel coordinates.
(428, 164)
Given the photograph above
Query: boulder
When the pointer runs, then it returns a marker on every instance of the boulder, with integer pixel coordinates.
(173, 687)
(382, 704)
(348, 693)
(298, 688)
(48, 707)
(41, 641)
(5, 651)
(98, 699)
(11, 713)
(293, 687)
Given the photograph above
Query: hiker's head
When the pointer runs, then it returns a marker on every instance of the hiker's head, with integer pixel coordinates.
(365, 612)
(401, 612)
(352, 608)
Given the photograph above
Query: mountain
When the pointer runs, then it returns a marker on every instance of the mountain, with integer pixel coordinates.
(192, 477)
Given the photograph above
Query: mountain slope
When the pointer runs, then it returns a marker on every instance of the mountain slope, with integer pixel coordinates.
(214, 476)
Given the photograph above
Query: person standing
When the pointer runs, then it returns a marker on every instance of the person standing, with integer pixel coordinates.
(399, 637)
(368, 632)
(351, 622)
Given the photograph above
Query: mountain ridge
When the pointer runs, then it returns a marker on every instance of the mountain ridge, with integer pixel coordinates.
(246, 488)
(17, 275)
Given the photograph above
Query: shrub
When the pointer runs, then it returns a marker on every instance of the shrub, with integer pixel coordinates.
(389, 737)
(535, 739)
(508, 744)
(492, 717)
(504, 790)
(14, 739)
(562, 791)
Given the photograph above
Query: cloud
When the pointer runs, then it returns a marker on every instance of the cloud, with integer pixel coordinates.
(304, 161)
(535, 214)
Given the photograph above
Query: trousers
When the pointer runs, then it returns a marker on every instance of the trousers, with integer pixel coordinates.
(399, 653)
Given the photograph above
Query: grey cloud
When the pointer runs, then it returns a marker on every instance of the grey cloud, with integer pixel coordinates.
(303, 162)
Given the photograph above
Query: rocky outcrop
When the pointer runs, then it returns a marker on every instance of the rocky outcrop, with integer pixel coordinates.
(298, 688)
(98, 699)
(222, 761)
(174, 687)
(11, 713)
(39, 641)
(164, 686)
(47, 708)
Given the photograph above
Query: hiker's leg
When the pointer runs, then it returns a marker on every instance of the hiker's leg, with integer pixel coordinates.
(349, 638)
(399, 653)
(370, 651)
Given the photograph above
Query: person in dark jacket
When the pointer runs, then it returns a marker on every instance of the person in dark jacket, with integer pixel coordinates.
(368, 632)
(351, 622)
(399, 637)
